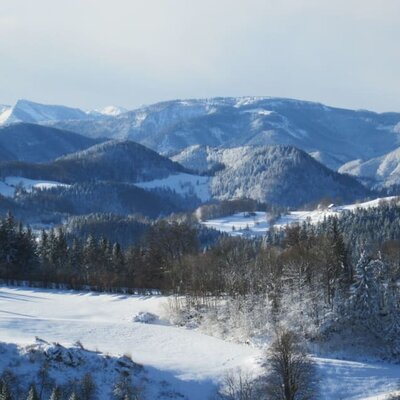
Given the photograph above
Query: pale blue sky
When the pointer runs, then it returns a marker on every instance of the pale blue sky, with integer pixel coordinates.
(91, 53)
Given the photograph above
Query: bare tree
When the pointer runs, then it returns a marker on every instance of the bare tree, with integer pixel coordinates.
(292, 375)
(239, 385)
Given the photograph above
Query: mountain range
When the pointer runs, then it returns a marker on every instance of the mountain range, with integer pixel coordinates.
(333, 136)
(277, 151)
(29, 111)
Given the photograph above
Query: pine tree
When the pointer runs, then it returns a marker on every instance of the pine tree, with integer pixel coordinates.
(88, 387)
(55, 394)
(73, 396)
(365, 296)
(5, 393)
(117, 258)
(32, 395)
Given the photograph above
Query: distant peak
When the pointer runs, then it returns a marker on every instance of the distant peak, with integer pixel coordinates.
(109, 111)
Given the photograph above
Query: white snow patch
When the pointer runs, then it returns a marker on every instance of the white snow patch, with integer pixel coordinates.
(5, 112)
(255, 224)
(28, 184)
(258, 111)
(182, 183)
(111, 111)
(145, 317)
(6, 190)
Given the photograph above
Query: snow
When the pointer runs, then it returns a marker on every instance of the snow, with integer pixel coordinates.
(110, 111)
(258, 111)
(341, 379)
(29, 111)
(7, 188)
(183, 184)
(245, 224)
(241, 224)
(104, 322)
(385, 170)
(190, 361)
(5, 112)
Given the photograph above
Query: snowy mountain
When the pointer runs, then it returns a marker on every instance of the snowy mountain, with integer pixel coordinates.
(381, 171)
(333, 136)
(4, 113)
(29, 111)
(109, 111)
(35, 143)
(280, 175)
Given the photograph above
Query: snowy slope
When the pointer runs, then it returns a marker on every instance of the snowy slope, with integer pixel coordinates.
(5, 112)
(244, 224)
(190, 361)
(383, 171)
(8, 187)
(182, 183)
(104, 322)
(109, 111)
(29, 111)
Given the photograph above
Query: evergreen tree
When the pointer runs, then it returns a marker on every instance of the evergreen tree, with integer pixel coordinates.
(55, 394)
(365, 296)
(5, 393)
(73, 396)
(32, 395)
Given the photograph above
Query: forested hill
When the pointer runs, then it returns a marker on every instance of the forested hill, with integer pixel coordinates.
(118, 161)
(282, 175)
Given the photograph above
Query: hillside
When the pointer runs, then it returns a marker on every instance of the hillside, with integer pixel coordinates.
(31, 112)
(178, 362)
(381, 171)
(118, 161)
(280, 175)
(35, 143)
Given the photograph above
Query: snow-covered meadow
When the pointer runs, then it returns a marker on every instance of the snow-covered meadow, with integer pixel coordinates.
(257, 223)
(183, 184)
(11, 183)
(191, 362)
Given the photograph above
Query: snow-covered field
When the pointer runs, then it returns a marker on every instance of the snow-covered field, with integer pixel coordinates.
(184, 184)
(8, 187)
(190, 361)
(242, 224)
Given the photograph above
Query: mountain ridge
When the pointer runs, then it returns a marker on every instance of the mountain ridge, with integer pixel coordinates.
(333, 135)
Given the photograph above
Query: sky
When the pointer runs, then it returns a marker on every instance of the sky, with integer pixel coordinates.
(93, 53)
